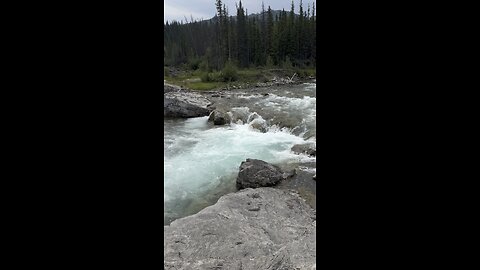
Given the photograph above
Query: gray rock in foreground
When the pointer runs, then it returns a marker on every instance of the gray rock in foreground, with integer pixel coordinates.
(256, 173)
(263, 228)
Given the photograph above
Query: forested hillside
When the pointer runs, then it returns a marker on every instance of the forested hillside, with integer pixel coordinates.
(270, 38)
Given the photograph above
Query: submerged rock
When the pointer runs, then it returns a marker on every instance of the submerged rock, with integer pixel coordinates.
(256, 173)
(262, 228)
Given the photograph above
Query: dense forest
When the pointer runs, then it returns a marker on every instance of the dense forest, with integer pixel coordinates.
(270, 38)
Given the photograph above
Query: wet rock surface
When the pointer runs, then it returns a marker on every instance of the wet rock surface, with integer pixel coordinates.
(189, 97)
(263, 228)
(219, 117)
(256, 173)
(174, 108)
(303, 181)
(179, 103)
(307, 148)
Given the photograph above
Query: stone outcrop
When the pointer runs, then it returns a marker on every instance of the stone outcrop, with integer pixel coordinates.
(307, 148)
(174, 108)
(263, 228)
(256, 173)
(178, 103)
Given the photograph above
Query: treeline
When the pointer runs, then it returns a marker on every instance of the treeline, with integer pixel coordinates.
(267, 39)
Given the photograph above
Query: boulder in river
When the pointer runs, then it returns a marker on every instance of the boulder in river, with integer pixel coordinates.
(307, 148)
(262, 228)
(219, 117)
(175, 108)
(178, 103)
(256, 173)
(260, 125)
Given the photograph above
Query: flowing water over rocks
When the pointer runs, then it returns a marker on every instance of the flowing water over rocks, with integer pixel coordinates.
(202, 160)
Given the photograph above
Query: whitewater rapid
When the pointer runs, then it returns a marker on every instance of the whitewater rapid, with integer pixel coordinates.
(201, 161)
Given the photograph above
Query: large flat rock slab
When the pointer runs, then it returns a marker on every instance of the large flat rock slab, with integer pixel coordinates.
(262, 228)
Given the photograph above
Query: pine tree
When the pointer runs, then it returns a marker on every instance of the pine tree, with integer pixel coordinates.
(271, 38)
(291, 45)
(263, 33)
(242, 37)
(269, 33)
(313, 34)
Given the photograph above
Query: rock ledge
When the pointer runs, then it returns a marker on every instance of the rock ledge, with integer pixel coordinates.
(263, 228)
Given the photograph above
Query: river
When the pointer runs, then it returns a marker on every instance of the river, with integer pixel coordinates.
(201, 160)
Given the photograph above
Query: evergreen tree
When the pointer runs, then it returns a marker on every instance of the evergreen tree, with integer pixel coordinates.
(270, 38)
(269, 33)
(242, 37)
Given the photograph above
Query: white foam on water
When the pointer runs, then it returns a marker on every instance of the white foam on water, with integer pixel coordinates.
(198, 156)
(212, 153)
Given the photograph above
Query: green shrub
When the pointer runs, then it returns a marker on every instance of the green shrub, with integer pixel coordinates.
(216, 76)
(229, 73)
(205, 77)
(203, 66)
(194, 63)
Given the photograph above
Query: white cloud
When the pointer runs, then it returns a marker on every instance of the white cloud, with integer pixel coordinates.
(178, 9)
(179, 12)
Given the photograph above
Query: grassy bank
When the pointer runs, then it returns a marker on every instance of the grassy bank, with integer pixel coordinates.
(199, 80)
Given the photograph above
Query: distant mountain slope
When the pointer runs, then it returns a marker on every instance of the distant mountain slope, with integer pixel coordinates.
(257, 16)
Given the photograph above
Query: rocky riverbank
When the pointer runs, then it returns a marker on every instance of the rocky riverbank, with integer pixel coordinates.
(263, 228)
(254, 228)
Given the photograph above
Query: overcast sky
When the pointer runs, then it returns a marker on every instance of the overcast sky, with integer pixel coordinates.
(178, 9)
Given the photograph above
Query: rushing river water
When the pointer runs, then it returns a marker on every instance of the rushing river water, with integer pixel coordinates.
(201, 160)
